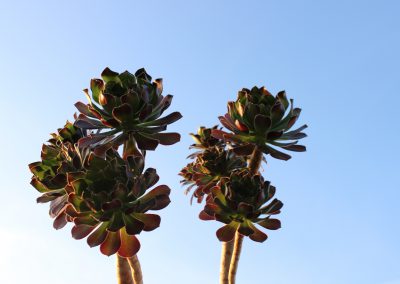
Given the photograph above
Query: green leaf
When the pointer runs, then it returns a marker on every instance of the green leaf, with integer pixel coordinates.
(283, 99)
(142, 74)
(38, 185)
(108, 75)
(262, 124)
(123, 113)
(116, 222)
(128, 80)
(97, 87)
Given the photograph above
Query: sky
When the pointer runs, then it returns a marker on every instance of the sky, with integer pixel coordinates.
(339, 60)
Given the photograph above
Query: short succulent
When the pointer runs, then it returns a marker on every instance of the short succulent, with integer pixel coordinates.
(257, 118)
(241, 202)
(126, 107)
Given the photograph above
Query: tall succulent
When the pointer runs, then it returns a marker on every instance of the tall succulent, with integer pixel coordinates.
(257, 118)
(208, 168)
(225, 169)
(109, 200)
(126, 108)
(106, 193)
(240, 202)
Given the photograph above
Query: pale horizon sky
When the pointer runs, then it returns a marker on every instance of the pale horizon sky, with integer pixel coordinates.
(339, 60)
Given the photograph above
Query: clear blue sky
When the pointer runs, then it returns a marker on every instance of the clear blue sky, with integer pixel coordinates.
(339, 60)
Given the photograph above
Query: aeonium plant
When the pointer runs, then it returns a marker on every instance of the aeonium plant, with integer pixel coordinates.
(225, 169)
(93, 171)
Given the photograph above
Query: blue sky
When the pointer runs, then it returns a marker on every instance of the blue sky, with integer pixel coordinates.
(339, 60)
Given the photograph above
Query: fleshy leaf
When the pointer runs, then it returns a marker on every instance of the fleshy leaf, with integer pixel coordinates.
(130, 245)
(111, 244)
(227, 232)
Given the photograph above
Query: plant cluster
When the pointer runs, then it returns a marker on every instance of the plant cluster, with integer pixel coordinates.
(225, 167)
(105, 192)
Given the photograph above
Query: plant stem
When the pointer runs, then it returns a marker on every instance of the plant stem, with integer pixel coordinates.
(254, 161)
(235, 257)
(133, 262)
(124, 274)
(226, 255)
(136, 270)
(254, 164)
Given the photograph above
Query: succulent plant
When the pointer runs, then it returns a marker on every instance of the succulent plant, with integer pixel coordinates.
(105, 197)
(241, 202)
(208, 168)
(109, 200)
(58, 157)
(257, 118)
(204, 140)
(126, 108)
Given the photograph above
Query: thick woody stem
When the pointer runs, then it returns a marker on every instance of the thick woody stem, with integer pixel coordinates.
(124, 273)
(235, 258)
(136, 270)
(255, 160)
(226, 255)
